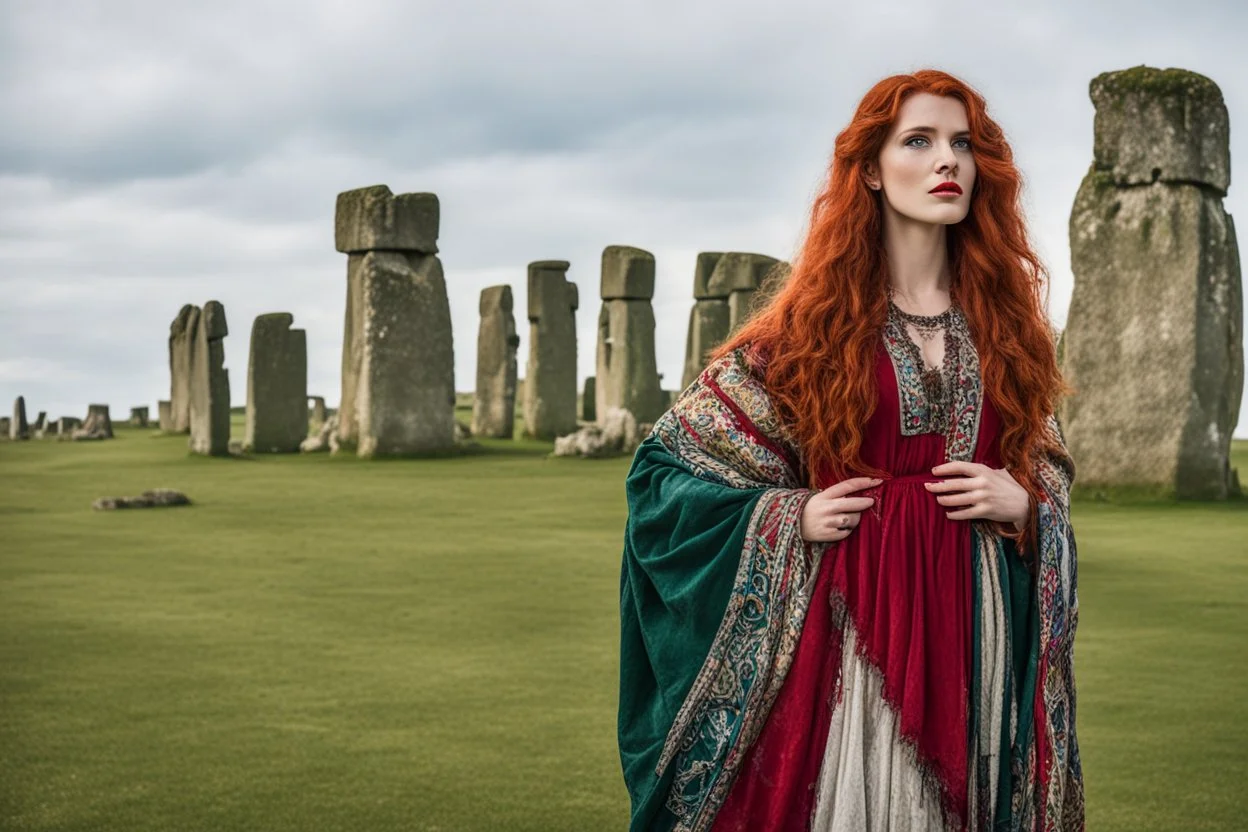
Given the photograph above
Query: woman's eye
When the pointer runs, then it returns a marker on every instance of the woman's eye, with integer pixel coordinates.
(915, 139)
(965, 143)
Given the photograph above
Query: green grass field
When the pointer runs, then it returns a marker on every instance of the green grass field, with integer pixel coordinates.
(327, 644)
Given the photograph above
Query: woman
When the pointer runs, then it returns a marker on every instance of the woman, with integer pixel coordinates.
(848, 590)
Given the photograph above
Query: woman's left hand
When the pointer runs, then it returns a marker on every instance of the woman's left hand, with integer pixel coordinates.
(982, 493)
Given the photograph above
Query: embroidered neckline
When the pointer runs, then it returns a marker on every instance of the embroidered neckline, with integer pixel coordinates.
(943, 399)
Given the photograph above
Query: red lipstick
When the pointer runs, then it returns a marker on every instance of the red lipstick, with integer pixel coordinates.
(946, 188)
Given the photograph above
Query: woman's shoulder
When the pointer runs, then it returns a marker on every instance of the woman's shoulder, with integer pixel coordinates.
(727, 413)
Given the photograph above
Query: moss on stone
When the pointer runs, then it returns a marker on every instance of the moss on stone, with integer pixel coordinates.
(1156, 82)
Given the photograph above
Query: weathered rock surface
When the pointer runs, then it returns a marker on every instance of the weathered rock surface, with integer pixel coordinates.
(1154, 339)
(616, 433)
(277, 386)
(97, 425)
(210, 383)
(164, 410)
(181, 340)
(19, 428)
(589, 396)
(322, 440)
(156, 498)
(398, 384)
(375, 219)
(726, 291)
(550, 376)
(494, 400)
(626, 373)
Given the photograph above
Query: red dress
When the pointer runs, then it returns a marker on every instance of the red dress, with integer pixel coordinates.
(903, 582)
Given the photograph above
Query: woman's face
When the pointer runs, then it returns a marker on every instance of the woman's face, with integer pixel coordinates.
(929, 145)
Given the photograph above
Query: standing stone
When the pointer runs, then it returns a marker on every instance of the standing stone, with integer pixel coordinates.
(727, 290)
(5, 422)
(1153, 343)
(97, 425)
(550, 377)
(139, 416)
(494, 401)
(277, 386)
(66, 425)
(737, 276)
(316, 416)
(210, 383)
(589, 402)
(18, 427)
(708, 319)
(627, 375)
(398, 366)
(180, 346)
(164, 410)
(40, 423)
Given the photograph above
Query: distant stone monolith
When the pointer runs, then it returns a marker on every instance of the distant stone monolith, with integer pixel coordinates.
(627, 375)
(97, 425)
(19, 428)
(277, 386)
(210, 383)
(180, 346)
(550, 377)
(494, 401)
(727, 289)
(398, 367)
(139, 416)
(164, 410)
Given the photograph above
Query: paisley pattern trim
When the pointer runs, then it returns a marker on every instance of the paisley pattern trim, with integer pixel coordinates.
(716, 428)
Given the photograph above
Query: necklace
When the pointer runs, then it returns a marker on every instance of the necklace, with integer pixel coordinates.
(927, 326)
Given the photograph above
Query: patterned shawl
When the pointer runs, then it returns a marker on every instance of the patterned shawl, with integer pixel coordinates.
(715, 585)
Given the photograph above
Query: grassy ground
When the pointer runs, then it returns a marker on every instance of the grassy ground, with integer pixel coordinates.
(324, 643)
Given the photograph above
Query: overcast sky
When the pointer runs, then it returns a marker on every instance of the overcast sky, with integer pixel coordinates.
(156, 153)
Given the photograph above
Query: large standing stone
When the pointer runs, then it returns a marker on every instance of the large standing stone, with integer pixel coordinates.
(550, 377)
(139, 416)
(97, 425)
(210, 383)
(627, 375)
(18, 427)
(5, 423)
(1154, 339)
(181, 340)
(494, 401)
(277, 386)
(398, 368)
(164, 411)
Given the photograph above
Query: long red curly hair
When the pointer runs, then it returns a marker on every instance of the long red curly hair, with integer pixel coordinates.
(819, 334)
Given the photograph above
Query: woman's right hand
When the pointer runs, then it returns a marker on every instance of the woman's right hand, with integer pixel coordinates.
(830, 515)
